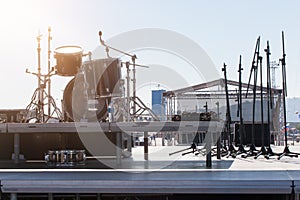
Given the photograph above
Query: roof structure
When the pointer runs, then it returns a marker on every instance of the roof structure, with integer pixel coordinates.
(216, 83)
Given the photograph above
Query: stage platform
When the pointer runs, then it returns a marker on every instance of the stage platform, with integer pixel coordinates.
(153, 173)
(160, 174)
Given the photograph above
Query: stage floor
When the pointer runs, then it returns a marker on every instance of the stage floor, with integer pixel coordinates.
(160, 174)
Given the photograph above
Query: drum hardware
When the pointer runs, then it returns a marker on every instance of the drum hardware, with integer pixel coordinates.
(49, 69)
(133, 57)
(65, 158)
(35, 109)
(129, 100)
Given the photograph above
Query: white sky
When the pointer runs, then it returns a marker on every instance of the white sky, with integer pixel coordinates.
(224, 29)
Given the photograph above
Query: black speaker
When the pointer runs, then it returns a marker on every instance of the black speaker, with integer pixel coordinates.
(247, 137)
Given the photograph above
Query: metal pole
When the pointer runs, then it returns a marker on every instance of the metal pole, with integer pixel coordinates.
(133, 84)
(17, 147)
(242, 128)
(284, 92)
(40, 92)
(49, 70)
(261, 105)
(146, 145)
(219, 139)
(129, 140)
(228, 115)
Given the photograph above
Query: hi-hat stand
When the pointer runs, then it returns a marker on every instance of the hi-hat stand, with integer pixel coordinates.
(286, 151)
(36, 108)
(253, 151)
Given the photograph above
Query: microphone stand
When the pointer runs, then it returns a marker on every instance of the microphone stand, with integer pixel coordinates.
(241, 149)
(269, 99)
(193, 148)
(231, 149)
(252, 150)
(263, 151)
(286, 151)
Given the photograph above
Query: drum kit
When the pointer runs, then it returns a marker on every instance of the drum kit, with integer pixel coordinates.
(94, 84)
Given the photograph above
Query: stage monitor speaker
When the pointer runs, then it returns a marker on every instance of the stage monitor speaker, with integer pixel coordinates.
(247, 138)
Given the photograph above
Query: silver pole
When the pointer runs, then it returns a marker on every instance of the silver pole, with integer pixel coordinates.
(129, 143)
(49, 70)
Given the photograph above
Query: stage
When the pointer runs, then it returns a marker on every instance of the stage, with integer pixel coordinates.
(160, 175)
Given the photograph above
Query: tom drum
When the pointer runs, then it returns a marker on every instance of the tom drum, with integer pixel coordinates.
(68, 60)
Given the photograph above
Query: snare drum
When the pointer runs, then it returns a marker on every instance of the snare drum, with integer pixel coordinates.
(68, 60)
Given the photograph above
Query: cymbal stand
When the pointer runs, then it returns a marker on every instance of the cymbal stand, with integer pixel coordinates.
(286, 151)
(231, 149)
(37, 101)
(49, 70)
(133, 99)
(38, 104)
(242, 131)
(252, 151)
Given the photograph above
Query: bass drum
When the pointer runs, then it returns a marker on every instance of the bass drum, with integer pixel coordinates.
(88, 95)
